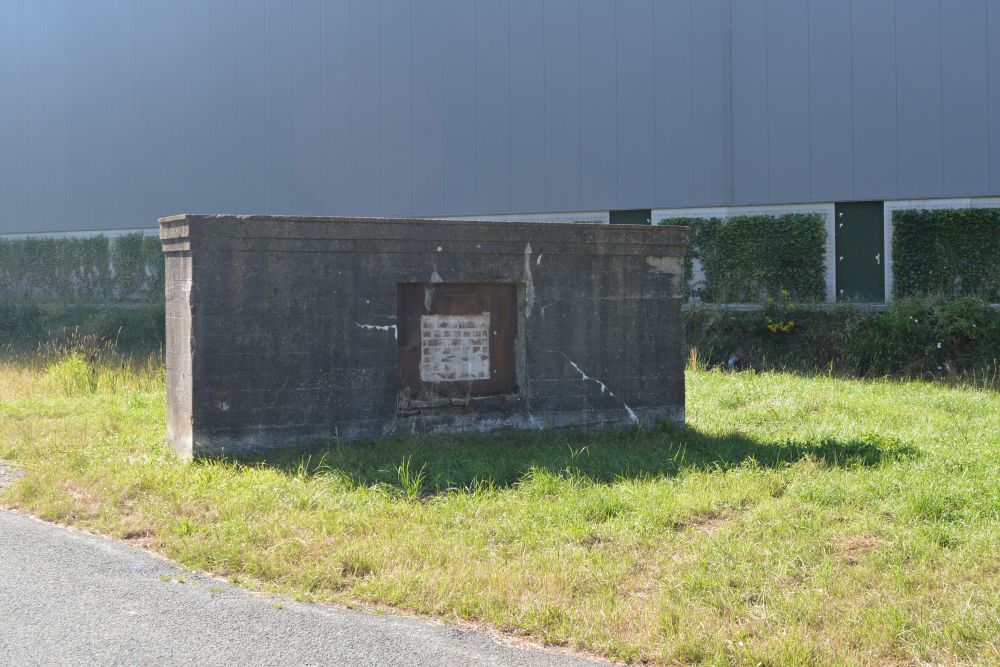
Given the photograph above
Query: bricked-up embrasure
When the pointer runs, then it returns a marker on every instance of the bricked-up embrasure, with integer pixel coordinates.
(454, 348)
(435, 320)
(283, 331)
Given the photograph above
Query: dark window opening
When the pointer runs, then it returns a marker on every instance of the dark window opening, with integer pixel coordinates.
(635, 216)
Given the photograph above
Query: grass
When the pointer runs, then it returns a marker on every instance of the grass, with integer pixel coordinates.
(798, 520)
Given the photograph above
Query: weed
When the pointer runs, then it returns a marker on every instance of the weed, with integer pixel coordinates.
(411, 484)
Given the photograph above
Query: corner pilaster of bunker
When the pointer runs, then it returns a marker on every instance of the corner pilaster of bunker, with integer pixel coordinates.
(284, 331)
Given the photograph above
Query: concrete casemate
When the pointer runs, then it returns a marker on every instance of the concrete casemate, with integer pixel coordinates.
(293, 330)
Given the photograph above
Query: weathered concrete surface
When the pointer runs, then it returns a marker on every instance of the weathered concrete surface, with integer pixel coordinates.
(68, 598)
(284, 330)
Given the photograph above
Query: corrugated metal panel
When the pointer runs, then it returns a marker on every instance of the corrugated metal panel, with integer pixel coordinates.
(527, 107)
(633, 35)
(831, 96)
(788, 99)
(751, 129)
(673, 53)
(250, 116)
(460, 84)
(599, 108)
(427, 167)
(918, 84)
(965, 96)
(334, 135)
(711, 99)
(874, 74)
(114, 112)
(306, 117)
(493, 105)
(993, 69)
(561, 22)
(396, 108)
(365, 98)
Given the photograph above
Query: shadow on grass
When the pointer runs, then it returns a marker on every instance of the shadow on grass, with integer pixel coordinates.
(502, 459)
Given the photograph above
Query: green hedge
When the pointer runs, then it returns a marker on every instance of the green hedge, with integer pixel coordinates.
(746, 259)
(951, 251)
(28, 324)
(94, 269)
(914, 337)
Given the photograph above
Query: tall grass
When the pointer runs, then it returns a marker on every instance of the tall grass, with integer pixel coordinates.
(797, 520)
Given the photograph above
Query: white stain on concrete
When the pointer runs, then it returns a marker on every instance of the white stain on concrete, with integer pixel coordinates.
(670, 265)
(548, 305)
(429, 291)
(529, 283)
(222, 405)
(380, 327)
(604, 388)
(538, 261)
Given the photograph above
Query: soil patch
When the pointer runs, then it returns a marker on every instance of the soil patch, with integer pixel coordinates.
(8, 473)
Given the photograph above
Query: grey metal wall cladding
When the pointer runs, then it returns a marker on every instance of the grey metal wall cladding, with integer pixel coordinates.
(114, 112)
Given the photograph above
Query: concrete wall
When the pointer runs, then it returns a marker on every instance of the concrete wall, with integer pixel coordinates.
(114, 112)
(284, 330)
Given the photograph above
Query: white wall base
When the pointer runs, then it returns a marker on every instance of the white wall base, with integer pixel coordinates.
(601, 217)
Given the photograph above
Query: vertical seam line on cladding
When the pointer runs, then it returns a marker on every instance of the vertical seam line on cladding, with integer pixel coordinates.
(350, 109)
(618, 149)
(895, 76)
(510, 122)
(850, 27)
(266, 98)
(381, 143)
(545, 115)
(941, 92)
(694, 175)
(728, 24)
(809, 87)
(989, 110)
(767, 101)
(477, 167)
(652, 89)
(412, 208)
(579, 106)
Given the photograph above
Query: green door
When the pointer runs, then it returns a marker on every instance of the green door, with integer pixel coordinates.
(860, 252)
(637, 216)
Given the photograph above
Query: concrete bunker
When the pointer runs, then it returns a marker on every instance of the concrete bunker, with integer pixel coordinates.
(290, 330)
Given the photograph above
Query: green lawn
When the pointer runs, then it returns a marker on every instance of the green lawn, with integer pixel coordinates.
(798, 520)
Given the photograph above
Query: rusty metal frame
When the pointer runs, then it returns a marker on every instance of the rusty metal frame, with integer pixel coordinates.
(414, 300)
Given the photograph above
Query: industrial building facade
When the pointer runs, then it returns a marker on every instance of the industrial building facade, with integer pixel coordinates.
(116, 112)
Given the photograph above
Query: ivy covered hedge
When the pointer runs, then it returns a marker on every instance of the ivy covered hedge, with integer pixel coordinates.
(953, 252)
(137, 327)
(96, 269)
(926, 337)
(746, 259)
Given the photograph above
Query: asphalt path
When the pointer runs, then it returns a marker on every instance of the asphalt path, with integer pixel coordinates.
(70, 598)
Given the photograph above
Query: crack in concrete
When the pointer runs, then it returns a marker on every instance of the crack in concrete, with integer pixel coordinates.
(604, 388)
